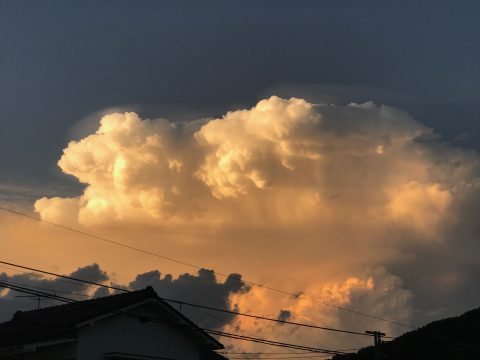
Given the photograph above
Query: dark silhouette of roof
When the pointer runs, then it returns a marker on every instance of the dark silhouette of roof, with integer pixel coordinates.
(61, 321)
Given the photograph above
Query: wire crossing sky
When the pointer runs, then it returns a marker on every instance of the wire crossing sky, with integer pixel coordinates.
(178, 301)
(183, 263)
(329, 150)
(27, 290)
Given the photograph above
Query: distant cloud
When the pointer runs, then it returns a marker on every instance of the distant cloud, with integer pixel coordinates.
(70, 289)
(202, 289)
(376, 291)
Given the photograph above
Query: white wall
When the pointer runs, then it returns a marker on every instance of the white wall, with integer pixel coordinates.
(128, 335)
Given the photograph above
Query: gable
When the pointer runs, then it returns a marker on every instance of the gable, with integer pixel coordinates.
(63, 321)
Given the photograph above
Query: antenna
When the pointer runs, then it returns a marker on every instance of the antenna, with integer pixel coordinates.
(30, 297)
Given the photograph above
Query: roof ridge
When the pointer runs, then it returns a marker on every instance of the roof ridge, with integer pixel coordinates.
(63, 319)
(147, 291)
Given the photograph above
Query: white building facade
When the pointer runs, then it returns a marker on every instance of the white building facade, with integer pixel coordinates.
(135, 325)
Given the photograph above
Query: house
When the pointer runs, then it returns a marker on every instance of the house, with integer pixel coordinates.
(135, 325)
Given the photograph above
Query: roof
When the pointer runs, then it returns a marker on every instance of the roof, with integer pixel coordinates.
(62, 321)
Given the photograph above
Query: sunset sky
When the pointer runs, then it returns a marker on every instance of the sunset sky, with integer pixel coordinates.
(322, 148)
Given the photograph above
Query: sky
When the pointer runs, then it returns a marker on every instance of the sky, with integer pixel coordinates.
(325, 148)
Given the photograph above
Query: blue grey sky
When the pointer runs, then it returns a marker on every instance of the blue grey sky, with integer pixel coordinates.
(64, 63)
(61, 61)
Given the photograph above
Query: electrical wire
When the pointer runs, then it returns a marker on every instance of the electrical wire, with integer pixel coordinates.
(271, 342)
(67, 300)
(294, 352)
(151, 253)
(273, 355)
(91, 283)
(269, 319)
(41, 275)
(24, 288)
(54, 291)
(290, 356)
(208, 331)
(283, 357)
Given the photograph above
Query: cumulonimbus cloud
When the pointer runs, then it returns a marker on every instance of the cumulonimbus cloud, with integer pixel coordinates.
(277, 151)
(338, 188)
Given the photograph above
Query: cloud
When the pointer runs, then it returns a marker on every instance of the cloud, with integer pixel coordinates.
(247, 148)
(376, 290)
(128, 165)
(289, 193)
(138, 170)
(202, 289)
(61, 287)
(430, 201)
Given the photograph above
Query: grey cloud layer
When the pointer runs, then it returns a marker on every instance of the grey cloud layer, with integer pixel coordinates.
(202, 288)
(9, 303)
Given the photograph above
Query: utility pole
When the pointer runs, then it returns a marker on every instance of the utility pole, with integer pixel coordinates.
(377, 339)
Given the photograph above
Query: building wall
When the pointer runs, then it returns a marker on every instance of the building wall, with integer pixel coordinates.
(54, 352)
(121, 334)
(65, 351)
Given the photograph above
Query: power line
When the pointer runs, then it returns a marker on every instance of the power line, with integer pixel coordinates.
(54, 291)
(274, 355)
(272, 342)
(42, 275)
(260, 353)
(146, 252)
(65, 277)
(27, 290)
(247, 353)
(208, 331)
(24, 288)
(322, 356)
(291, 355)
(67, 300)
(91, 283)
(294, 352)
(280, 357)
(116, 243)
(268, 319)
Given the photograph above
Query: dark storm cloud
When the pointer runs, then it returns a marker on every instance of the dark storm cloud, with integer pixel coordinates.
(10, 302)
(202, 288)
(91, 273)
(101, 292)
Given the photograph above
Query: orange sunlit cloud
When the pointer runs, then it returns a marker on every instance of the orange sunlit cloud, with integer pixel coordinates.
(305, 197)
